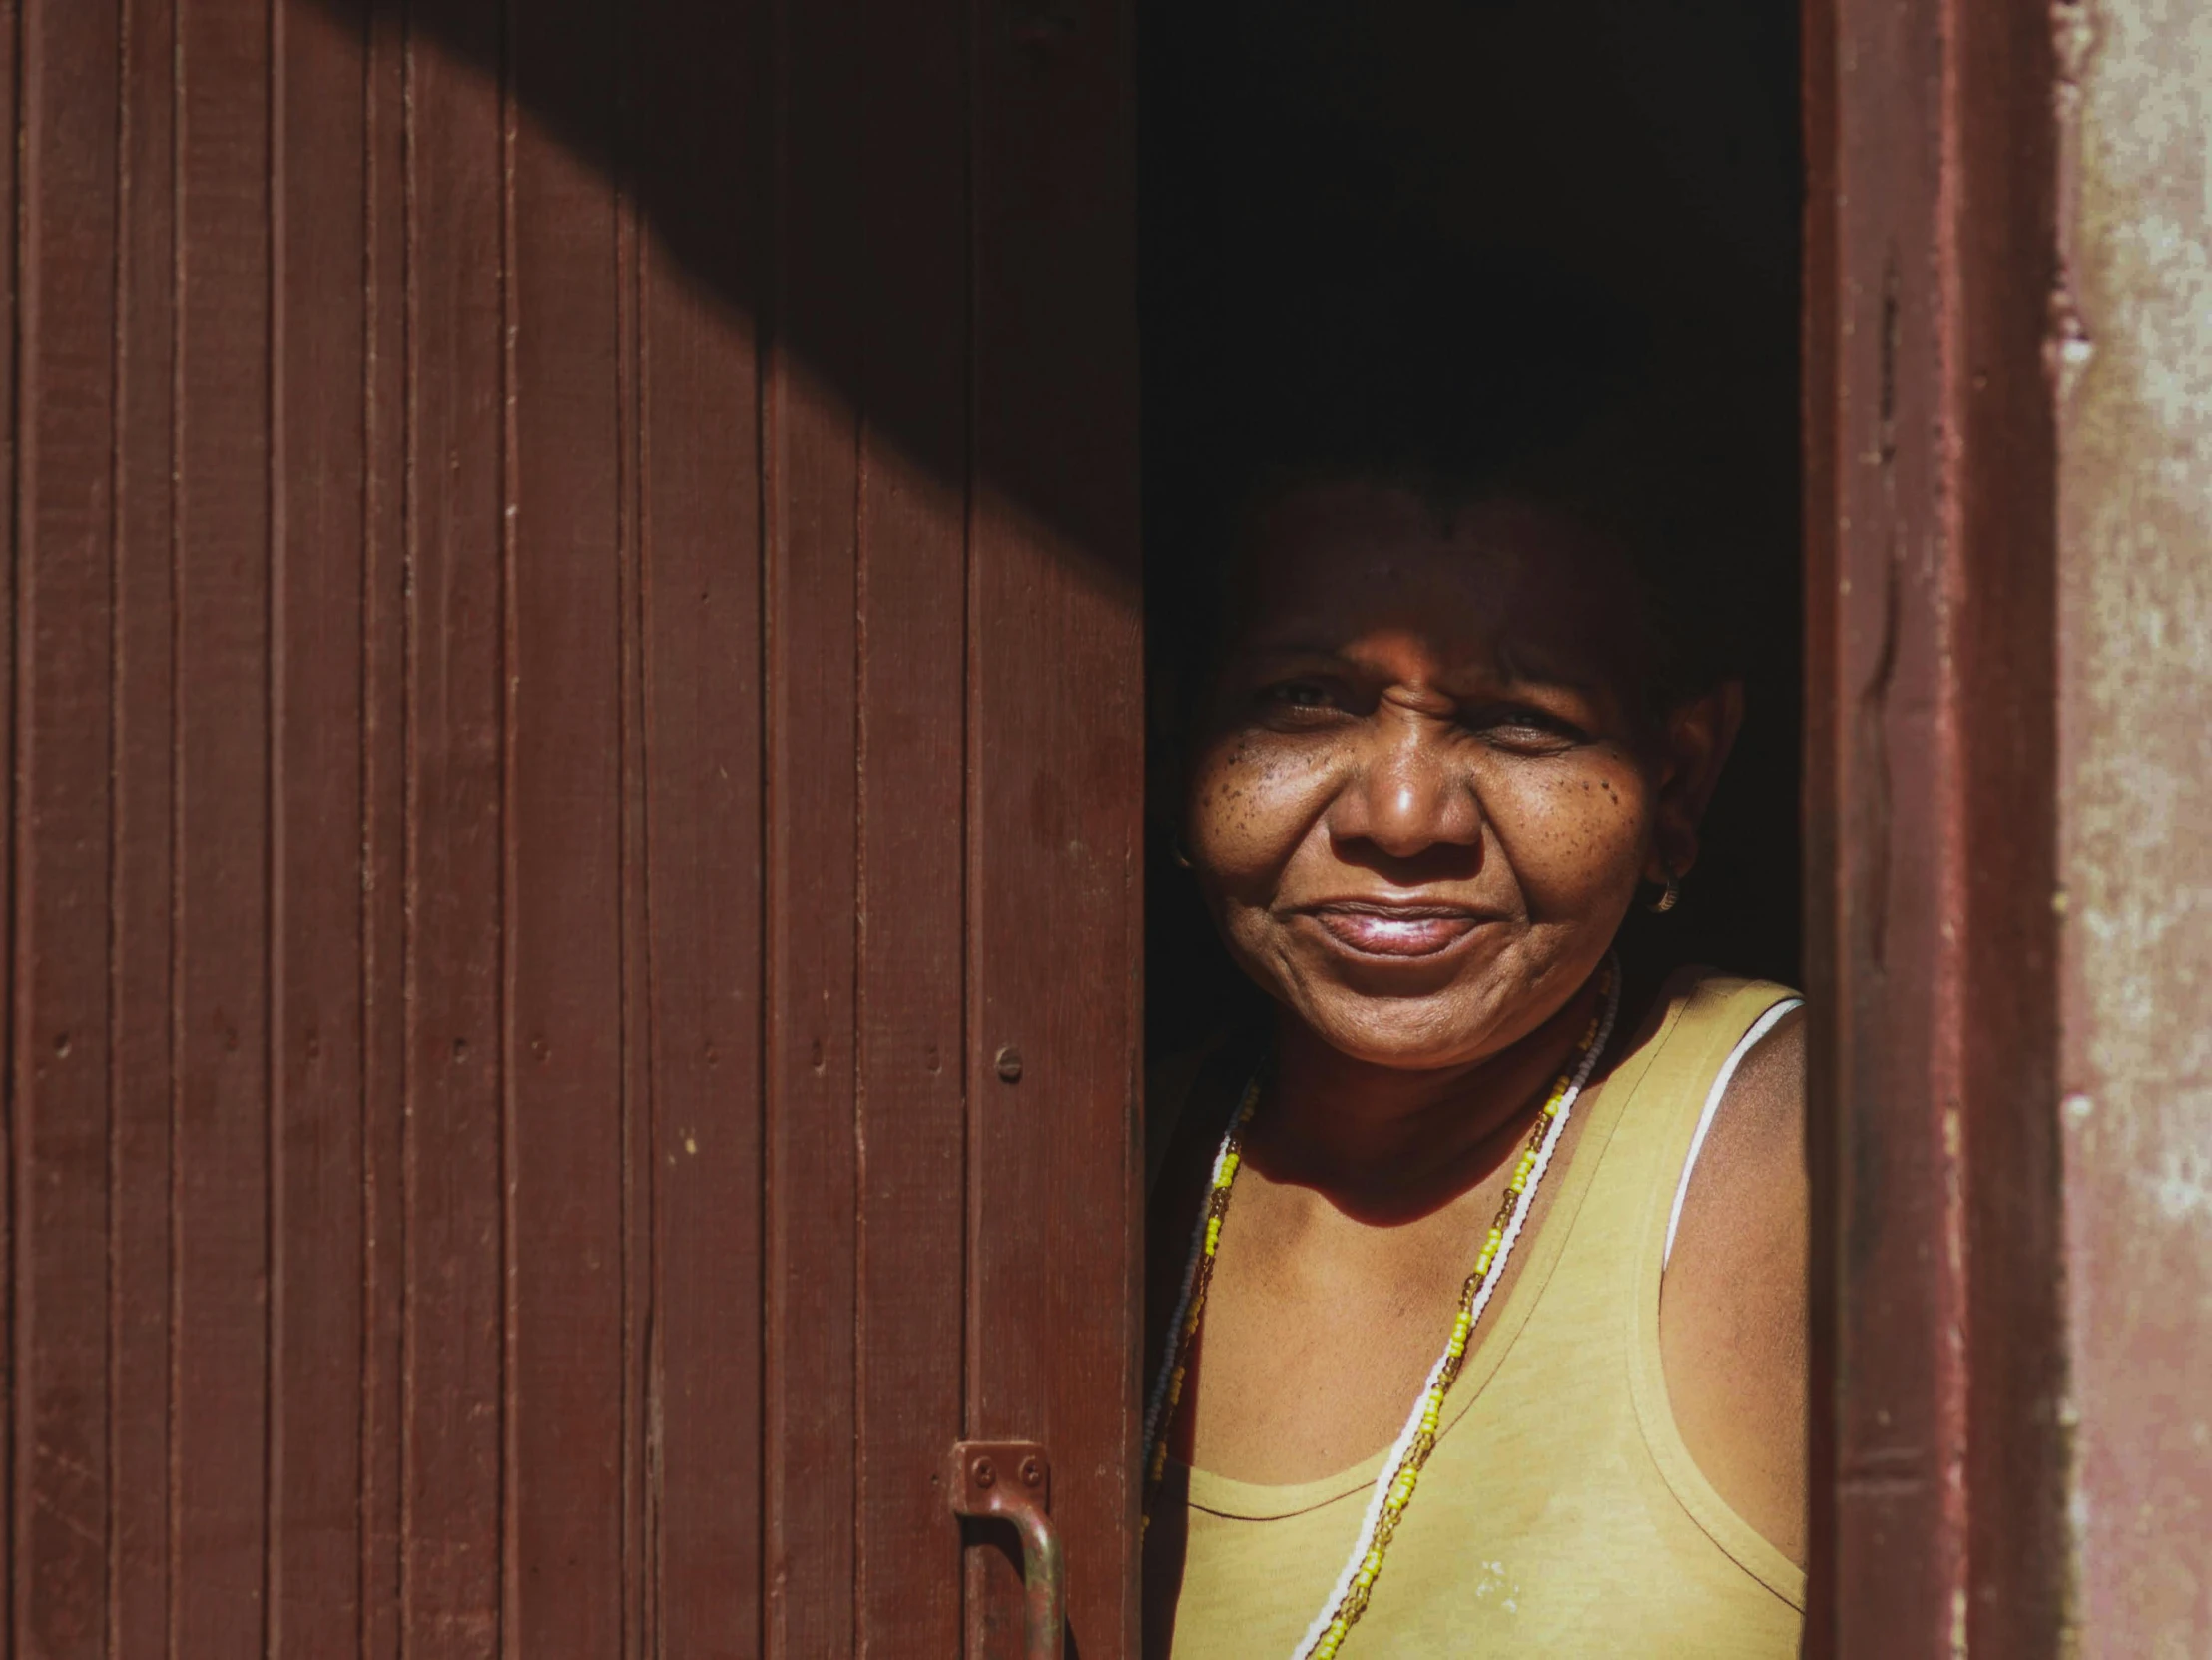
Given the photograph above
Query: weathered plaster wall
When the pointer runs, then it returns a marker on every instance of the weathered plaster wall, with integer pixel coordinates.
(2136, 816)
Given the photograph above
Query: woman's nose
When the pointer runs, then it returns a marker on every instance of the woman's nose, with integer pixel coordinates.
(1408, 796)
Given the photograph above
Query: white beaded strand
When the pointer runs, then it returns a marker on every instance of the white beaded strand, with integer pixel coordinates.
(1391, 1466)
(1332, 1624)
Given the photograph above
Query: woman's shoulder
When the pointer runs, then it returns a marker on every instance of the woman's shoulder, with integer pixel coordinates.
(1733, 1315)
(1687, 1029)
(1713, 1001)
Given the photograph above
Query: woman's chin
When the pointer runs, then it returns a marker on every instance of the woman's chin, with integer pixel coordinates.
(1404, 1034)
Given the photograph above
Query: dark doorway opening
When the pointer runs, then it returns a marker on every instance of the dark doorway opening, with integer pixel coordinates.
(1646, 154)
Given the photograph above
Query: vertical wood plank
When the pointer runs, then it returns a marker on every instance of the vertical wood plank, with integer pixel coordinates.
(1056, 787)
(564, 937)
(59, 1065)
(2004, 625)
(454, 1221)
(811, 476)
(143, 1034)
(640, 1315)
(221, 1301)
(11, 290)
(1932, 767)
(1879, 957)
(913, 744)
(493, 708)
(702, 168)
(321, 327)
(1820, 345)
(382, 830)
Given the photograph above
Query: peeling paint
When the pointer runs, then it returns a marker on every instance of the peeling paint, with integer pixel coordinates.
(2135, 498)
(2181, 1187)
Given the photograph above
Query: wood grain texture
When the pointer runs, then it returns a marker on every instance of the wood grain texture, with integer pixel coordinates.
(141, 900)
(223, 1287)
(566, 1035)
(701, 546)
(12, 1148)
(810, 468)
(2006, 622)
(385, 413)
(552, 542)
(1931, 804)
(318, 1306)
(912, 749)
(1056, 747)
(59, 1065)
(454, 1175)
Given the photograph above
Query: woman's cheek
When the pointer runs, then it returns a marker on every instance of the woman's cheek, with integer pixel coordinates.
(1575, 835)
(1252, 804)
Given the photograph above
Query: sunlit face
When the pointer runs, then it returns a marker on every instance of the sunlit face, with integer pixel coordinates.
(1422, 803)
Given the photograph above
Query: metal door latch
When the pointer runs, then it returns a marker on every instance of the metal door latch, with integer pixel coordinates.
(1012, 1481)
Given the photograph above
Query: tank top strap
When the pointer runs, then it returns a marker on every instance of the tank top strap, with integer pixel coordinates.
(1585, 1235)
(1636, 1184)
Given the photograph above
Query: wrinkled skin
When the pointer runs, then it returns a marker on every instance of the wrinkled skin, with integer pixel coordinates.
(1428, 788)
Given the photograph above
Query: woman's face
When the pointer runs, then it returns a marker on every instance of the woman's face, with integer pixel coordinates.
(1422, 802)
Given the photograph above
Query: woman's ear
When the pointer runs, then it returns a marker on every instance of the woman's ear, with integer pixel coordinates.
(1699, 733)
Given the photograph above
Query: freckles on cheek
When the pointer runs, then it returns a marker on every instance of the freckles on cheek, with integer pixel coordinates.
(1252, 804)
(1576, 835)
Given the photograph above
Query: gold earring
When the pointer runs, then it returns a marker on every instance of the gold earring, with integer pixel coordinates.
(1670, 899)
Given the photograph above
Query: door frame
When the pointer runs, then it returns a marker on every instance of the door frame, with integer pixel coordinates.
(1936, 313)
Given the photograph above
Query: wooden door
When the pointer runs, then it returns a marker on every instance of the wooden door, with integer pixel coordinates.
(574, 699)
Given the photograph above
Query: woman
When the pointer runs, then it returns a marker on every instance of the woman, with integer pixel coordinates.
(1476, 1277)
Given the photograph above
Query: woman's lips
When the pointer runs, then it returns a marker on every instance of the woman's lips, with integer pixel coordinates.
(1395, 931)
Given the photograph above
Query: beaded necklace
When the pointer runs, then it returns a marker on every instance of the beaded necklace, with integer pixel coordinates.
(1393, 1486)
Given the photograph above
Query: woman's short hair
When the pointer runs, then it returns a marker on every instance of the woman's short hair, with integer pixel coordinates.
(1459, 375)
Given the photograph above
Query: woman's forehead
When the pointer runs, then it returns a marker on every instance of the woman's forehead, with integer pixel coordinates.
(1329, 566)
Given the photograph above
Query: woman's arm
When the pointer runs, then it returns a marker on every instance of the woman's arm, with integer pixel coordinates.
(1733, 1307)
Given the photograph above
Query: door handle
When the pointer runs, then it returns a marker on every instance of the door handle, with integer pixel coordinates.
(1012, 1481)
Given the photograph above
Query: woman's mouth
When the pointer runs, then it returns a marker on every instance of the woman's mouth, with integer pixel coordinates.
(1393, 930)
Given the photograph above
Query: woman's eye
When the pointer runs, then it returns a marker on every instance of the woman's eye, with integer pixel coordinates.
(1299, 694)
(1519, 726)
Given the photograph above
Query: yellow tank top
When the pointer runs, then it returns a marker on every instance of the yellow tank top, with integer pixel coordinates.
(1561, 1514)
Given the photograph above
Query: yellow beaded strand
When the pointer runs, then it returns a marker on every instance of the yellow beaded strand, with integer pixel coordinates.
(1354, 1603)
(1407, 1476)
(1202, 1277)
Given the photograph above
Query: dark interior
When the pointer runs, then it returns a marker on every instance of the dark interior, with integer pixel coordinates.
(1649, 150)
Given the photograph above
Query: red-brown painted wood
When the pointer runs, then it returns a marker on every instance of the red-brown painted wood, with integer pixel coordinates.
(1939, 1519)
(2019, 1537)
(385, 415)
(565, 1044)
(142, 967)
(565, 559)
(1822, 425)
(59, 1094)
(11, 432)
(700, 529)
(318, 1220)
(456, 1166)
(810, 476)
(914, 748)
(225, 1216)
(1056, 749)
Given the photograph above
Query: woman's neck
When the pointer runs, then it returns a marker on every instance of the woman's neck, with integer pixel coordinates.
(1388, 1145)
